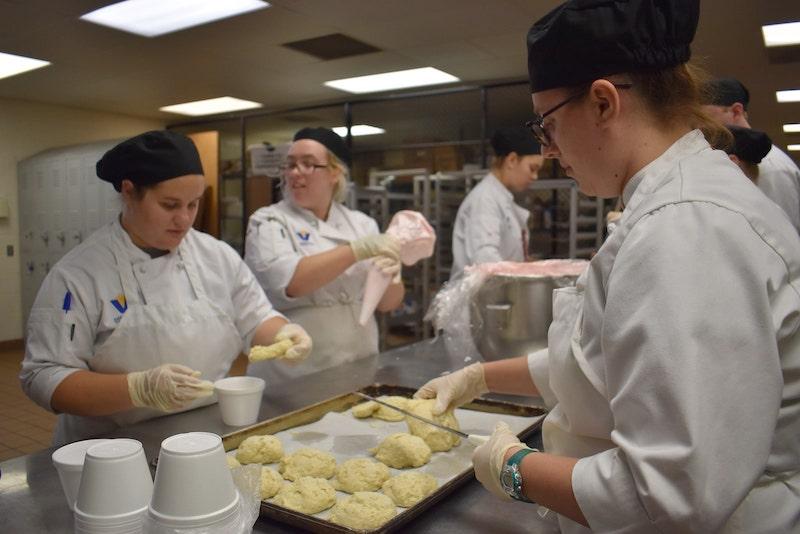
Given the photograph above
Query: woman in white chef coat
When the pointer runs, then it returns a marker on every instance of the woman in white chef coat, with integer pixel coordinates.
(489, 225)
(308, 252)
(671, 373)
(134, 322)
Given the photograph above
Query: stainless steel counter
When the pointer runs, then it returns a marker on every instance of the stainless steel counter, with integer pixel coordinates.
(31, 499)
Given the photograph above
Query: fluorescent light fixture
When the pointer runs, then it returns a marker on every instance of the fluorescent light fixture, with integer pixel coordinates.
(211, 106)
(151, 18)
(781, 34)
(11, 65)
(792, 95)
(358, 130)
(794, 148)
(401, 79)
(791, 128)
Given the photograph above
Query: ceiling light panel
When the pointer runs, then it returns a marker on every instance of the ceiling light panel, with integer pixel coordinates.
(792, 95)
(794, 148)
(151, 18)
(11, 65)
(786, 34)
(223, 104)
(791, 128)
(402, 79)
(358, 130)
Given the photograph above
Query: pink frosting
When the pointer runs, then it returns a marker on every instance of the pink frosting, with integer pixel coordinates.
(533, 268)
(415, 235)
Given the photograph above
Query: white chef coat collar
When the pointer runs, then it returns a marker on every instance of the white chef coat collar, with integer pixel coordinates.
(691, 143)
(135, 254)
(495, 183)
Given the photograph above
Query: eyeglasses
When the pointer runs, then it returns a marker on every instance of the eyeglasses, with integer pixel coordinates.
(537, 124)
(305, 168)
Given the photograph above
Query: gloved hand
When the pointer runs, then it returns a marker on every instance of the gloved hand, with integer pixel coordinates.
(167, 387)
(390, 267)
(375, 245)
(301, 342)
(455, 389)
(488, 459)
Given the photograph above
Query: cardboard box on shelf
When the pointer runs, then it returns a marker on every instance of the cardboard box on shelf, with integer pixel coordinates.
(446, 158)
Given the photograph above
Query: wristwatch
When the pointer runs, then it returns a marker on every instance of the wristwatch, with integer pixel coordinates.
(511, 477)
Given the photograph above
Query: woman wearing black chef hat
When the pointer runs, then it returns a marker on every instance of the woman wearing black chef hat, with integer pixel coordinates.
(671, 372)
(138, 319)
(489, 225)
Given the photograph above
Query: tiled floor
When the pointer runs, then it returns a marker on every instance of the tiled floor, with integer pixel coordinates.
(24, 426)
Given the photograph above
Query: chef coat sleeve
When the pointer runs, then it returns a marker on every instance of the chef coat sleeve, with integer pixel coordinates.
(484, 233)
(59, 341)
(539, 368)
(692, 370)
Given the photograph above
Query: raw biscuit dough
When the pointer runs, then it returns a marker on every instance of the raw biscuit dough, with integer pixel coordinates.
(271, 482)
(360, 474)
(407, 489)
(365, 409)
(307, 462)
(260, 450)
(307, 495)
(400, 450)
(438, 440)
(232, 462)
(364, 510)
(379, 411)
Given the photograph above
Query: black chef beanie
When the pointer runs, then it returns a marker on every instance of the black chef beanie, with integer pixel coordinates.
(727, 92)
(150, 158)
(328, 138)
(749, 145)
(583, 40)
(519, 140)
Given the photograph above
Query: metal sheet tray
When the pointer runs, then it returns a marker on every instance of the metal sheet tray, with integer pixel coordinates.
(342, 403)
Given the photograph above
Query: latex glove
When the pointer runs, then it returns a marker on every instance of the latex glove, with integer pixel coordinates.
(455, 389)
(489, 458)
(167, 387)
(375, 245)
(390, 267)
(301, 343)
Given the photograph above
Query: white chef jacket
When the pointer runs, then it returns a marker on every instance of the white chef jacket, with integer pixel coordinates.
(685, 399)
(278, 237)
(489, 227)
(779, 179)
(64, 333)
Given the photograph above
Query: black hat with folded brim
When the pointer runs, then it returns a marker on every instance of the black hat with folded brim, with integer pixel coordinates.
(749, 145)
(726, 92)
(584, 40)
(150, 158)
(329, 139)
(519, 140)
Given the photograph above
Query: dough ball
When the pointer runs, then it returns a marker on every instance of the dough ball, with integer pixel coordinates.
(361, 474)
(364, 510)
(260, 450)
(232, 462)
(438, 440)
(386, 413)
(402, 450)
(407, 489)
(307, 463)
(271, 482)
(307, 495)
(365, 409)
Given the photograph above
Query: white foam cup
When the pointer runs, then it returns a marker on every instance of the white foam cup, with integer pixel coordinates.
(239, 399)
(193, 487)
(115, 487)
(69, 464)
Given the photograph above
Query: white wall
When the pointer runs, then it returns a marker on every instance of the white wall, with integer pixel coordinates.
(25, 129)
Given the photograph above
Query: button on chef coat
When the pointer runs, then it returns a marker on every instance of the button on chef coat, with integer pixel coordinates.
(779, 179)
(686, 406)
(96, 302)
(489, 227)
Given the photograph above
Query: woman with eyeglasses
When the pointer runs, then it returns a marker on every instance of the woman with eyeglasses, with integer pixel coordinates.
(672, 372)
(311, 255)
(489, 225)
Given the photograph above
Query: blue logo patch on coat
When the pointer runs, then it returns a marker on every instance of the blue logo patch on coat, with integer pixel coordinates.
(120, 303)
(304, 235)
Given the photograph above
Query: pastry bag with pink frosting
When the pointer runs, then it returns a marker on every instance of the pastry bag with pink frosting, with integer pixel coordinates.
(416, 238)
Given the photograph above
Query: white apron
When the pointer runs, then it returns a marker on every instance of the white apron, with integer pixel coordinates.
(195, 333)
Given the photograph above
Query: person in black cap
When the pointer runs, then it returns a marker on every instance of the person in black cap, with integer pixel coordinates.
(748, 149)
(308, 251)
(671, 368)
(140, 318)
(490, 226)
(727, 100)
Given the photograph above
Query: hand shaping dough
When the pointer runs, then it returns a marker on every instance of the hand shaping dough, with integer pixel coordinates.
(407, 489)
(402, 450)
(379, 411)
(307, 463)
(360, 474)
(438, 440)
(232, 462)
(271, 482)
(363, 510)
(307, 495)
(260, 450)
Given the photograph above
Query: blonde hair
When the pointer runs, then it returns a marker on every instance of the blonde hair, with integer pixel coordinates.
(340, 189)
